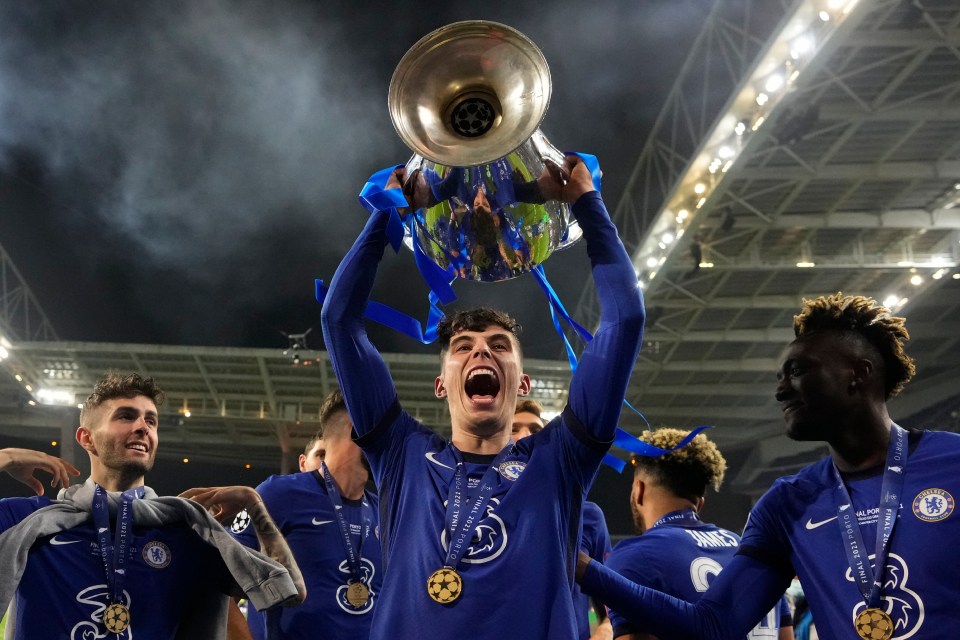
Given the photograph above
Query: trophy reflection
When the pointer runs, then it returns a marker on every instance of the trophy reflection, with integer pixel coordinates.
(468, 99)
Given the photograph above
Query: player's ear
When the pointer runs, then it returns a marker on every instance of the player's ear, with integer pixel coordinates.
(301, 461)
(699, 506)
(438, 389)
(641, 488)
(524, 385)
(85, 439)
(863, 371)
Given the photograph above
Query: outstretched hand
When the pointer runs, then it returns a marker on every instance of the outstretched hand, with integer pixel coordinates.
(224, 503)
(22, 464)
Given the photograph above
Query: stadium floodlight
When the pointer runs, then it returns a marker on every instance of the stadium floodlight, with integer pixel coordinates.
(56, 397)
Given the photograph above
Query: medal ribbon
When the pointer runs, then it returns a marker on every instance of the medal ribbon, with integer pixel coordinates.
(868, 581)
(684, 516)
(366, 512)
(114, 555)
(459, 525)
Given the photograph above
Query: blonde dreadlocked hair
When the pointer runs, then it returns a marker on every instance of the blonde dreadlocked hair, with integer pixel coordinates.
(687, 471)
(864, 317)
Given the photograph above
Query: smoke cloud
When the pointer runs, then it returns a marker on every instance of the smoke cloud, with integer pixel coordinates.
(193, 165)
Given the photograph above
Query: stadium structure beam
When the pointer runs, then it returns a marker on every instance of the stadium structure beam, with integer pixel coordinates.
(21, 316)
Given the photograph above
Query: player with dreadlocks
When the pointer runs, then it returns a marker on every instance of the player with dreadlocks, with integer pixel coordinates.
(870, 530)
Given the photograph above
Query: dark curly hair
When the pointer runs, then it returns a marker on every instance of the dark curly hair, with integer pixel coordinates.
(121, 385)
(685, 472)
(476, 319)
(862, 317)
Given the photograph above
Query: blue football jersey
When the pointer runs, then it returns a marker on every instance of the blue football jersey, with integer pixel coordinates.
(63, 591)
(13, 510)
(302, 509)
(521, 550)
(595, 542)
(794, 526)
(517, 568)
(680, 560)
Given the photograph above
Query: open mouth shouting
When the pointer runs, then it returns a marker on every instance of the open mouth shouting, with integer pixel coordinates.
(482, 385)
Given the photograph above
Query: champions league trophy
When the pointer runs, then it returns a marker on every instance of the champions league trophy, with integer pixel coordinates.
(468, 100)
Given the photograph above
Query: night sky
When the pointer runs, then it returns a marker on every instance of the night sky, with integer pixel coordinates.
(180, 172)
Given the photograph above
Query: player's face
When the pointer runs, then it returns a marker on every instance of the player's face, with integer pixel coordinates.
(481, 379)
(311, 459)
(480, 202)
(525, 424)
(124, 436)
(813, 387)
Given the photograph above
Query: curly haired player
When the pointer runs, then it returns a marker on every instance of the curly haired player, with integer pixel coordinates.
(871, 530)
(677, 552)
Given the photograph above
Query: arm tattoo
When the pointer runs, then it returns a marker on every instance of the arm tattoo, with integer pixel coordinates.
(274, 546)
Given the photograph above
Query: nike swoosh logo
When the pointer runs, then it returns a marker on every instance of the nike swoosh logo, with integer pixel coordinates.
(430, 456)
(811, 525)
(55, 541)
(319, 522)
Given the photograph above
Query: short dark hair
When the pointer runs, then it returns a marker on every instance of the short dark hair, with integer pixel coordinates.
(529, 405)
(685, 472)
(121, 385)
(314, 439)
(866, 319)
(332, 403)
(476, 319)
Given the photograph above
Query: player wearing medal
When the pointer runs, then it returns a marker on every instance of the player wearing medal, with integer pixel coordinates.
(881, 508)
(110, 557)
(479, 533)
(677, 552)
(594, 540)
(312, 510)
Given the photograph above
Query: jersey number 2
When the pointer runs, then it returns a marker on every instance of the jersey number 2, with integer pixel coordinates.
(702, 570)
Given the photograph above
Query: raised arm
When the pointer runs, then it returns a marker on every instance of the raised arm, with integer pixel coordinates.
(738, 598)
(364, 378)
(224, 503)
(600, 382)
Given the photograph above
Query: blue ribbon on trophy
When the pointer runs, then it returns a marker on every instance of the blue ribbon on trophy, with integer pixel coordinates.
(473, 208)
(376, 197)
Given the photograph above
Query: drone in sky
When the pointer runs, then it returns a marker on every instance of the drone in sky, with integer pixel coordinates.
(298, 342)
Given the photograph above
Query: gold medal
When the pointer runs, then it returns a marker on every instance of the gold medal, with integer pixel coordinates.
(357, 594)
(444, 585)
(874, 624)
(116, 618)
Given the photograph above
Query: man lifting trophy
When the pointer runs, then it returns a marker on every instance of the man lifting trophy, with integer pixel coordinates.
(479, 533)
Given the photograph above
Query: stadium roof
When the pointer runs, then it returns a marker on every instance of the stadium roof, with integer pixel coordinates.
(823, 156)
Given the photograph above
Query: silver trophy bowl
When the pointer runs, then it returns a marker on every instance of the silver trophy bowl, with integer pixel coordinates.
(468, 100)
